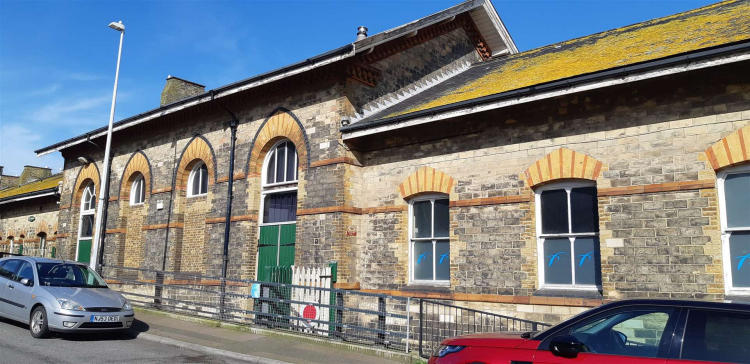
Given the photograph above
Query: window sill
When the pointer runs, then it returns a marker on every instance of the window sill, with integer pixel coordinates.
(197, 196)
(569, 292)
(137, 204)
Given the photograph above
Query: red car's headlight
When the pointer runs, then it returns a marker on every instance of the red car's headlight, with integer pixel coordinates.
(444, 350)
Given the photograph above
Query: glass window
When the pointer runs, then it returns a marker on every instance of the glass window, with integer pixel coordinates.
(280, 207)
(87, 226)
(25, 271)
(736, 228)
(635, 332)
(138, 191)
(88, 202)
(717, 336)
(281, 164)
(198, 180)
(568, 237)
(9, 268)
(430, 243)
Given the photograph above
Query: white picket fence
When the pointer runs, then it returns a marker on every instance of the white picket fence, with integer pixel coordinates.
(317, 277)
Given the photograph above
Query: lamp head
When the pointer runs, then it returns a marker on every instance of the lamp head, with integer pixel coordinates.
(118, 26)
(83, 160)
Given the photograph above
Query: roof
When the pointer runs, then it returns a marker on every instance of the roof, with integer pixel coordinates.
(30, 189)
(710, 26)
(482, 11)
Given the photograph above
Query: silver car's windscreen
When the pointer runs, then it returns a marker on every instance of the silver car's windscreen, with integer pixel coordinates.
(68, 275)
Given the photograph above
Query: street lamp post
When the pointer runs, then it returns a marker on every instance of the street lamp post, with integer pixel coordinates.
(99, 234)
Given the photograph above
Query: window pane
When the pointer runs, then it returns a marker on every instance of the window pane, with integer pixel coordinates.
(554, 212)
(280, 157)
(583, 210)
(557, 261)
(586, 259)
(204, 179)
(423, 260)
(270, 168)
(624, 332)
(442, 220)
(26, 271)
(9, 268)
(422, 218)
(291, 156)
(87, 225)
(739, 251)
(442, 260)
(717, 336)
(280, 207)
(737, 195)
(142, 191)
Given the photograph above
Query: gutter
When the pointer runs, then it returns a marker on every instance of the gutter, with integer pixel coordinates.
(481, 103)
(29, 195)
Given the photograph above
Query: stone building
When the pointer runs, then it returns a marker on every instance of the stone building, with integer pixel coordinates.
(28, 210)
(435, 160)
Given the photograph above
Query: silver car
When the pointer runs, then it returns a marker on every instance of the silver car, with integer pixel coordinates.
(56, 295)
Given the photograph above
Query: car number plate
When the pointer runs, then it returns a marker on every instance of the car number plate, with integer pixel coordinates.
(99, 318)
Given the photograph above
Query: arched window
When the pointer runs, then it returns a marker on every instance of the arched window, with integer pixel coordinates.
(278, 208)
(88, 206)
(138, 190)
(281, 164)
(567, 224)
(42, 240)
(429, 247)
(734, 197)
(198, 180)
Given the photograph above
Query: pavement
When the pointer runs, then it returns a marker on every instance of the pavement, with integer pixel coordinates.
(253, 345)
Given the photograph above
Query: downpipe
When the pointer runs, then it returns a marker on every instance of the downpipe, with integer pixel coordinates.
(227, 218)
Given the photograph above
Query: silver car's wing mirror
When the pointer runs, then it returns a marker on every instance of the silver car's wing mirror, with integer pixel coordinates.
(26, 282)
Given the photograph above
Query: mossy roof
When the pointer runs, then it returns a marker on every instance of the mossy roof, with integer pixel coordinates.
(40, 185)
(713, 25)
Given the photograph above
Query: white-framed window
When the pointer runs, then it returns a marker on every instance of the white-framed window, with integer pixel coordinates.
(279, 184)
(88, 207)
(138, 191)
(42, 240)
(429, 240)
(734, 199)
(280, 165)
(567, 225)
(198, 180)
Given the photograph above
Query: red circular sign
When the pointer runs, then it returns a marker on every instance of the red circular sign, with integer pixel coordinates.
(309, 312)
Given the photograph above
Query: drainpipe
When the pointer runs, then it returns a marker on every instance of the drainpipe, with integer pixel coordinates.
(233, 123)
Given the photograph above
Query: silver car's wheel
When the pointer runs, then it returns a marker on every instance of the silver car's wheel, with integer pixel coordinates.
(38, 324)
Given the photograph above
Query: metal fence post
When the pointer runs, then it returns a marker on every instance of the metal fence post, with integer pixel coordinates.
(408, 321)
(339, 313)
(381, 320)
(421, 323)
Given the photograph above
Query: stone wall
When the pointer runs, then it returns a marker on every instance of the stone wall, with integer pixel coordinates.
(14, 221)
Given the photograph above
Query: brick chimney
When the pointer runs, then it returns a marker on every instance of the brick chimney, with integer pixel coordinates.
(177, 89)
(31, 173)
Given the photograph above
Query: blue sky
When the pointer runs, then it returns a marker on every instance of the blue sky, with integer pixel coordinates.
(57, 58)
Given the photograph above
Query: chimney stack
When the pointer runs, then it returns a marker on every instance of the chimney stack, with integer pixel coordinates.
(361, 32)
(177, 89)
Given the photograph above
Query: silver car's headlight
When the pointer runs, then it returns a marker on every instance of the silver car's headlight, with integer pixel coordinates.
(127, 306)
(67, 304)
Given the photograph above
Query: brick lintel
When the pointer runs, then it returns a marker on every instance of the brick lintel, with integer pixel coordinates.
(176, 225)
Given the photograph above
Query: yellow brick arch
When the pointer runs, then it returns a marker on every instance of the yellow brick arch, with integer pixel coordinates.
(426, 180)
(197, 149)
(89, 172)
(138, 163)
(730, 150)
(282, 124)
(562, 164)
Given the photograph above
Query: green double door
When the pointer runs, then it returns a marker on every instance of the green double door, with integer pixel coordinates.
(84, 251)
(275, 248)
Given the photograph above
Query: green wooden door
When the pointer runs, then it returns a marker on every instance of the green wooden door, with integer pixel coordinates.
(275, 248)
(84, 251)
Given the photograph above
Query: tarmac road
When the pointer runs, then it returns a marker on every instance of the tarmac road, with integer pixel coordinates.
(17, 346)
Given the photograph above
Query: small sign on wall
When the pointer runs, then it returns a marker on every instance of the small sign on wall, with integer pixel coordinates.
(32, 218)
(351, 231)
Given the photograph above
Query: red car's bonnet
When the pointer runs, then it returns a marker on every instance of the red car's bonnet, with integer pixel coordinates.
(494, 340)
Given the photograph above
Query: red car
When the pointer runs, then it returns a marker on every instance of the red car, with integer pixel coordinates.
(630, 331)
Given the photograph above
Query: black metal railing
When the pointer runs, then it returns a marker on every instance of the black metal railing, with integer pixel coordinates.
(351, 316)
(439, 321)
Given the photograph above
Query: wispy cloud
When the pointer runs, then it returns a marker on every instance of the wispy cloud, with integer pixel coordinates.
(17, 149)
(47, 90)
(62, 111)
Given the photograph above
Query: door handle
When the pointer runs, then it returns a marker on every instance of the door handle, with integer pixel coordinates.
(11, 286)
